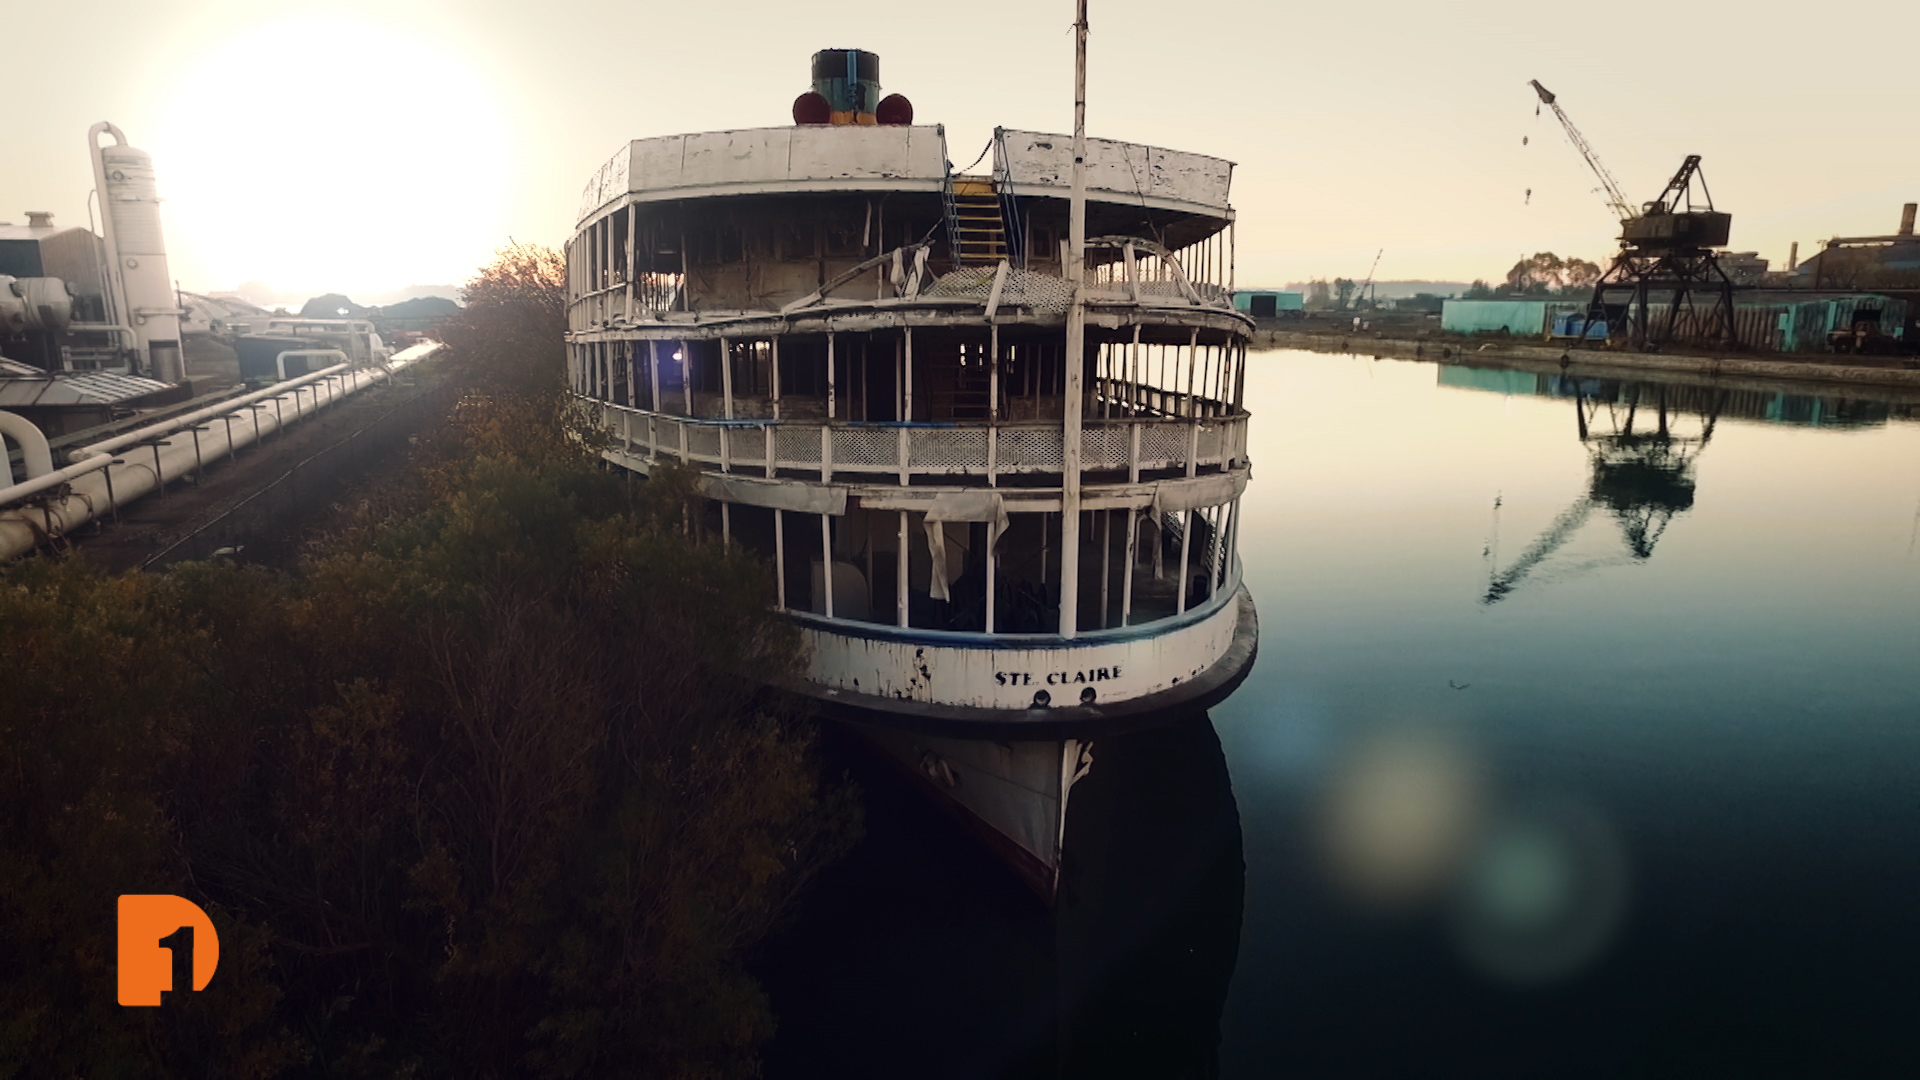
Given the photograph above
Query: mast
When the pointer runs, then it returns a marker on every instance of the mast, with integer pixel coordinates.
(1076, 331)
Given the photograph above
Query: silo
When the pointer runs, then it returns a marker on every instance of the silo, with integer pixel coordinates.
(143, 286)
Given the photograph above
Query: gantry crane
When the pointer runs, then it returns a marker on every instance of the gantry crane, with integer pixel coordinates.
(1665, 245)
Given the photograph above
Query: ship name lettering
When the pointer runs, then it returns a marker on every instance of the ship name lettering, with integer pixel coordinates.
(1057, 678)
(1067, 678)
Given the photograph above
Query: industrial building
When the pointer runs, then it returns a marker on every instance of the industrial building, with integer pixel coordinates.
(1788, 321)
(1866, 262)
(1270, 303)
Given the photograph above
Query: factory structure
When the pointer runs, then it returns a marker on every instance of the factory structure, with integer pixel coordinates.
(74, 300)
(1858, 295)
(1673, 282)
(96, 405)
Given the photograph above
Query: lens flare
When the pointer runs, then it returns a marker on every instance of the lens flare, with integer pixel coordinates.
(1543, 893)
(1398, 817)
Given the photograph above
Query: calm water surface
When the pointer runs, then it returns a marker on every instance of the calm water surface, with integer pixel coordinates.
(1563, 756)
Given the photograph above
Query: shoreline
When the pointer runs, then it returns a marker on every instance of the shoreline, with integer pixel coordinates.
(1501, 353)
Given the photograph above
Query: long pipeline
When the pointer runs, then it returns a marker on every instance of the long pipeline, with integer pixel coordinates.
(99, 483)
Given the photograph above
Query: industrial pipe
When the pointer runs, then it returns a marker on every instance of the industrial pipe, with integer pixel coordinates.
(116, 289)
(36, 455)
(99, 483)
(280, 360)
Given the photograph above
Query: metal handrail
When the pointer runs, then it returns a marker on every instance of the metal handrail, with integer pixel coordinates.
(661, 433)
(100, 455)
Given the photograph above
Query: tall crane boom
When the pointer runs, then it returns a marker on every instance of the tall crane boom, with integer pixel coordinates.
(1362, 293)
(1615, 197)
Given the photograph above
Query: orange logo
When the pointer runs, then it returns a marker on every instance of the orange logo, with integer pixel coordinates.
(160, 937)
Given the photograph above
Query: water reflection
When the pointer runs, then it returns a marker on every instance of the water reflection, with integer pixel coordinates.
(1691, 784)
(919, 955)
(1148, 922)
(1643, 441)
(1642, 477)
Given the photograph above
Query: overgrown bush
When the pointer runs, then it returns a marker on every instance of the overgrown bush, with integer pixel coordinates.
(489, 787)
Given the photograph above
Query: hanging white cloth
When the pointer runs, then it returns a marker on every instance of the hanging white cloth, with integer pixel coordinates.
(919, 274)
(985, 506)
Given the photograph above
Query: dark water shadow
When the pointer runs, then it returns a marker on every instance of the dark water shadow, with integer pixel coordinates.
(1152, 892)
(919, 955)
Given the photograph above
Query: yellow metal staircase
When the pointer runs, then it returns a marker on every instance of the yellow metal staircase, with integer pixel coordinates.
(982, 240)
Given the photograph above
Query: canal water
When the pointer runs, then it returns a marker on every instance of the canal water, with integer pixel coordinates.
(1584, 741)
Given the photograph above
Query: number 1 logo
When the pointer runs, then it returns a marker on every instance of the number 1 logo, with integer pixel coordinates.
(166, 943)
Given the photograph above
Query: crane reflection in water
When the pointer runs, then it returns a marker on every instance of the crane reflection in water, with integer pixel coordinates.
(1643, 440)
(1642, 467)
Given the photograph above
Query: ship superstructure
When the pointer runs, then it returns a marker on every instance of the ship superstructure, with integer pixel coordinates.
(866, 355)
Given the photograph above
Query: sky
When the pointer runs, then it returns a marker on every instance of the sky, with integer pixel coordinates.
(362, 146)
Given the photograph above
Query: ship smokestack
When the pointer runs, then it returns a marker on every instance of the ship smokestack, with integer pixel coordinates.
(1793, 257)
(846, 90)
(1906, 218)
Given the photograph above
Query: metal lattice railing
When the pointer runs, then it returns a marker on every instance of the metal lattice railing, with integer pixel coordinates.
(932, 450)
(865, 448)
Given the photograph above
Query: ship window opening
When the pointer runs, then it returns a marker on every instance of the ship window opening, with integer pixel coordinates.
(845, 236)
(802, 367)
(603, 260)
(729, 244)
(619, 245)
(703, 360)
(639, 376)
(670, 355)
(794, 238)
(878, 387)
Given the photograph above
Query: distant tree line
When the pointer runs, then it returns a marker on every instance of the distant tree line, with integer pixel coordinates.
(1543, 275)
(486, 787)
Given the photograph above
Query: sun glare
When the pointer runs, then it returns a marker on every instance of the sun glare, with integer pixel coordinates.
(322, 154)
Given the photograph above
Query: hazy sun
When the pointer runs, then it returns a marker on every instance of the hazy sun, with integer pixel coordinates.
(318, 154)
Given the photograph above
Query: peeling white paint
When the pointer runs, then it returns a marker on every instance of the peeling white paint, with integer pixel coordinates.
(771, 161)
(1009, 678)
(889, 158)
(1042, 164)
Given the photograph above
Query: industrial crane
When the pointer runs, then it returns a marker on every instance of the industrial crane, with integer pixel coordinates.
(1360, 294)
(1666, 246)
(1610, 187)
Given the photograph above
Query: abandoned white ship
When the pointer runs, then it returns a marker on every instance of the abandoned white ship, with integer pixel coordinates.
(996, 465)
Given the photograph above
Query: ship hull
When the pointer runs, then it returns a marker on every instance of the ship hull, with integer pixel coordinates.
(994, 690)
(1009, 779)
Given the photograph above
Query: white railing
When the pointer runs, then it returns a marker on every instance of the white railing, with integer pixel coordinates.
(1133, 444)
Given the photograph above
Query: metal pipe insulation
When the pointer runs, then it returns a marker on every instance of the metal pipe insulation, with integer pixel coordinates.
(36, 455)
(280, 359)
(98, 483)
(116, 291)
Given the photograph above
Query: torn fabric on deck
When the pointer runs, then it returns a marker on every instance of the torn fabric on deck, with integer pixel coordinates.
(985, 506)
